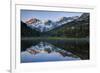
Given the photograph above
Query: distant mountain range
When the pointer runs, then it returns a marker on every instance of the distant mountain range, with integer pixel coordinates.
(75, 28)
(48, 25)
(64, 27)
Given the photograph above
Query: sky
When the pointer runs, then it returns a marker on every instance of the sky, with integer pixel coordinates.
(46, 15)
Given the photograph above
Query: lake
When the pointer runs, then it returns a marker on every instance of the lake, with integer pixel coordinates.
(54, 50)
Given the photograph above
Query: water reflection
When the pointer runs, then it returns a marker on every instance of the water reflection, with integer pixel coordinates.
(44, 51)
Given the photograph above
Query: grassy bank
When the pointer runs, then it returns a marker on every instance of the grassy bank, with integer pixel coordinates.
(52, 38)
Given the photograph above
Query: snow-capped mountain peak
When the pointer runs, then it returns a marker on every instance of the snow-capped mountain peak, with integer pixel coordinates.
(47, 25)
(32, 21)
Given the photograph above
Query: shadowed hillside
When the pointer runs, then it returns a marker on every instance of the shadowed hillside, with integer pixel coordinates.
(28, 32)
(76, 28)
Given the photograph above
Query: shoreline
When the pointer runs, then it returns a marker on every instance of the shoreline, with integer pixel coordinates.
(54, 38)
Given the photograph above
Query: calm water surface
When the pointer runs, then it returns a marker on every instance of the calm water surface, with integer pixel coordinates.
(43, 51)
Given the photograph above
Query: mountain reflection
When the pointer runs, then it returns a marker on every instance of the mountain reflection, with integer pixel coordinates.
(44, 51)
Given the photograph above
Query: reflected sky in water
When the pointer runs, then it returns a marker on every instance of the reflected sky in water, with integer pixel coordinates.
(43, 52)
